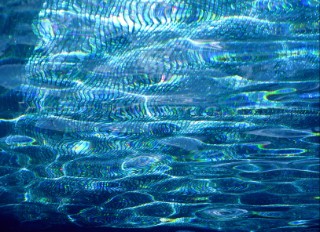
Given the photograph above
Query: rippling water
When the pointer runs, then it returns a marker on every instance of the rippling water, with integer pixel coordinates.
(139, 113)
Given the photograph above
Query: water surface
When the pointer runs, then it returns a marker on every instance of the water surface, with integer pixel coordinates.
(179, 113)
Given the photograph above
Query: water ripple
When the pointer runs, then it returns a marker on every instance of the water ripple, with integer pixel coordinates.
(136, 113)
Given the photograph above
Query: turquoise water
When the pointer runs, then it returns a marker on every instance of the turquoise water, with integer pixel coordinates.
(135, 114)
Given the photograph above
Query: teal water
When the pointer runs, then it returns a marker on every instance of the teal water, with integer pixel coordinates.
(137, 114)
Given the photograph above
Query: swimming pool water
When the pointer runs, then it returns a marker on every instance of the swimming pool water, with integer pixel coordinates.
(136, 113)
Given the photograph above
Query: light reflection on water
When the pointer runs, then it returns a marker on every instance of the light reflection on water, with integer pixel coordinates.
(143, 113)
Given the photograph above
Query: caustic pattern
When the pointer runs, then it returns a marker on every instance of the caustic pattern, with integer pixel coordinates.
(168, 112)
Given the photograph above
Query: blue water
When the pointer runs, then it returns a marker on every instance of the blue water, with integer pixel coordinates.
(200, 114)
